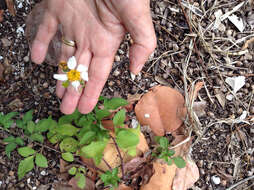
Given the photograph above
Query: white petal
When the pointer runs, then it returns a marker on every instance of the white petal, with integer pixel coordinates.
(75, 84)
(84, 76)
(82, 68)
(236, 82)
(72, 63)
(61, 77)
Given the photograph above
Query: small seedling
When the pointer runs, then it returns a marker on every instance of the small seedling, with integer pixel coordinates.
(163, 152)
(110, 178)
(79, 174)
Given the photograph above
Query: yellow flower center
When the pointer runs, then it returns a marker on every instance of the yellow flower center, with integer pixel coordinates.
(73, 75)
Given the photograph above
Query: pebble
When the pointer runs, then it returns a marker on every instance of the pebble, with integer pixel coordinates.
(175, 47)
(26, 59)
(216, 180)
(45, 85)
(43, 173)
(117, 58)
(116, 72)
(229, 97)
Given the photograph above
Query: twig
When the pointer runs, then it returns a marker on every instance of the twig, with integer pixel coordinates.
(120, 156)
(89, 166)
(194, 41)
(240, 182)
(107, 164)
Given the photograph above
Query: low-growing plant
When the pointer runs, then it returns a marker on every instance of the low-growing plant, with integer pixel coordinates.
(110, 178)
(163, 152)
(6, 120)
(79, 174)
(77, 135)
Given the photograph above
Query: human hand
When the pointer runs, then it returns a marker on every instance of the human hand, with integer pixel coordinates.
(97, 27)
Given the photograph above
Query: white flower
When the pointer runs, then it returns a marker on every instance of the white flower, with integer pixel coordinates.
(74, 75)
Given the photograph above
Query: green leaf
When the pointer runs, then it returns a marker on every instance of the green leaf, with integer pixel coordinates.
(37, 137)
(55, 138)
(100, 114)
(126, 138)
(67, 156)
(43, 125)
(132, 151)
(10, 115)
(28, 116)
(87, 137)
(19, 141)
(119, 118)
(26, 151)
(164, 142)
(67, 119)
(179, 162)
(9, 139)
(72, 171)
(81, 180)
(9, 148)
(170, 153)
(67, 130)
(65, 84)
(94, 150)
(69, 144)
(115, 103)
(20, 124)
(7, 123)
(41, 160)
(25, 166)
(170, 162)
(30, 127)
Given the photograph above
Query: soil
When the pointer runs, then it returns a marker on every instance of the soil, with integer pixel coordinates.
(222, 147)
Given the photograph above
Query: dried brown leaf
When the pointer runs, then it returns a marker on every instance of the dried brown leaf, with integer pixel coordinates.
(139, 171)
(133, 98)
(247, 43)
(186, 177)
(221, 99)
(90, 185)
(162, 178)
(10, 6)
(162, 108)
(196, 89)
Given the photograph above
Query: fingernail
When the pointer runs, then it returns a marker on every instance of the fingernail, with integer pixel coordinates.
(133, 76)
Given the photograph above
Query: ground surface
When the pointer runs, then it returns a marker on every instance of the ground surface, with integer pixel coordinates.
(224, 148)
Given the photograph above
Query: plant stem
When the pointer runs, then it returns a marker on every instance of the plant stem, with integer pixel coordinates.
(89, 166)
(120, 156)
(107, 164)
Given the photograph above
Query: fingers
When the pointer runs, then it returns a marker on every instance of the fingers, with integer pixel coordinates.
(138, 22)
(46, 31)
(71, 95)
(99, 70)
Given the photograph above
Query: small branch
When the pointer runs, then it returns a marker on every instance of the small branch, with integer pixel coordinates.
(89, 166)
(120, 156)
(240, 182)
(107, 164)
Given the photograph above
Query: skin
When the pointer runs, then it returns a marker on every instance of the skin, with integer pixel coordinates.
(97, 27)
